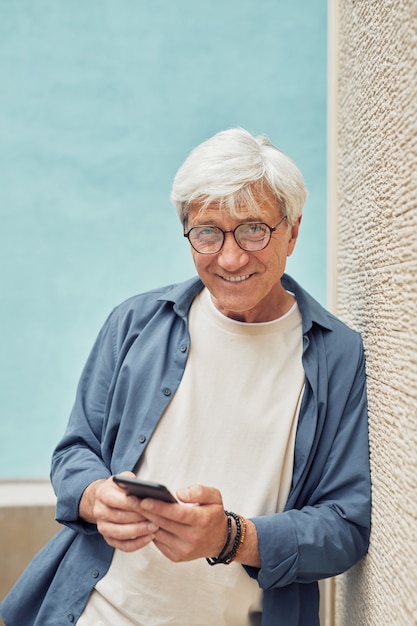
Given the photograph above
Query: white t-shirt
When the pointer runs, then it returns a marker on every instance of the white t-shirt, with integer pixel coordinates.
(231, 424)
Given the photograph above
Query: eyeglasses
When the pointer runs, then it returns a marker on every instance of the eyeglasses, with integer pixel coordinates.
(252, 236)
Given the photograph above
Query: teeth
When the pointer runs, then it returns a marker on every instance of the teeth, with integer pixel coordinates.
(236, 279)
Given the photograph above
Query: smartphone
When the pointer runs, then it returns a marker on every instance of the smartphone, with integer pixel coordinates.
(144, 489)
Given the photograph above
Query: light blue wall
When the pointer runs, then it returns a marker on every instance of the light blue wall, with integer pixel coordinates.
(100, 102)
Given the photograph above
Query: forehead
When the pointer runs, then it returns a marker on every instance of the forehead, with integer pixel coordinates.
(213, 214)
(258, 207)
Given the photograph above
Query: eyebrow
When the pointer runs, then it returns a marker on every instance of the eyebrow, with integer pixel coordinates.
(212, 222)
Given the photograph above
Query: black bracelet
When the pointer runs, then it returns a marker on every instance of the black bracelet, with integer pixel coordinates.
(218, 559)
(230, 556)
(229, 535)
(227, 558)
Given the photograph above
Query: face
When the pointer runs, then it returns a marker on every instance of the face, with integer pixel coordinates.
(246, 286)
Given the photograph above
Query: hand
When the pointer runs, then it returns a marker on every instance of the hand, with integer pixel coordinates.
(118, 516)
(188, 532)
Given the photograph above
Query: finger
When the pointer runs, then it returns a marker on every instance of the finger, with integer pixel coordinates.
(195, 494)
(117, 496)
(117, 506)
(128, 536)
(118, 516)
(187, 542)
(200, 494)
(111, 498)
(168, 515)
(130, 545)
(164, 514)
(123, 532)
(190, 531)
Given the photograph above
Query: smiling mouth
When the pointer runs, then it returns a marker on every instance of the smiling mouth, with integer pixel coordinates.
(236, 279)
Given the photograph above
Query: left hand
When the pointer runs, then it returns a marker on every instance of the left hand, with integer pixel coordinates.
(189, 532)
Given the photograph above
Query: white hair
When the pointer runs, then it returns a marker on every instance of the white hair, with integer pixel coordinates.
(236, 170)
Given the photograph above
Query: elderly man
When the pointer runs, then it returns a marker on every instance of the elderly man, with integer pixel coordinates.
(239, 392)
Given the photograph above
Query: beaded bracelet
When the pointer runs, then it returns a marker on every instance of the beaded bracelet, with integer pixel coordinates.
(229, 535)
(240, 535)
(228, 558)
(219, 559)
(241, 540)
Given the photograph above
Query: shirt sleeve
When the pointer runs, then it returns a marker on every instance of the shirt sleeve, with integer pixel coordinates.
(78, 460)
(327, 530)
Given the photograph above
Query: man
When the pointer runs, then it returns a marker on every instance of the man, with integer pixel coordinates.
(238, 391)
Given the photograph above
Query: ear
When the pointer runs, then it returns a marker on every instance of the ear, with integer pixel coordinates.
(293, 238)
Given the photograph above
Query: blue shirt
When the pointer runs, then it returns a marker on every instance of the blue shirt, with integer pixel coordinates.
(133, 370)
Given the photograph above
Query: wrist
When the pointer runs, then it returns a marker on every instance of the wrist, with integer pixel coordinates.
(248, 553)
(236, 533)
(87, 501)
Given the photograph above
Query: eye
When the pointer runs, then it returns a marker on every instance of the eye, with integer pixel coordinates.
(206, 231)
(253, 230)
(256, 228)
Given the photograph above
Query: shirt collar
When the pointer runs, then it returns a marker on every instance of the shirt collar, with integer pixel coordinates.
(182, 295)
(311, 311)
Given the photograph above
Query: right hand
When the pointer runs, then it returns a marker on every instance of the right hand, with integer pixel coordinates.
(117, 515)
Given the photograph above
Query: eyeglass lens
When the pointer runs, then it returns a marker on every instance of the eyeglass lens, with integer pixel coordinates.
(209, 239)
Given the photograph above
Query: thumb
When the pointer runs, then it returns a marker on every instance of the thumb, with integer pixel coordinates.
(199, 494)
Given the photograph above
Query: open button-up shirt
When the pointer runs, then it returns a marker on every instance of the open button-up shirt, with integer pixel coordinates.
(132, 372)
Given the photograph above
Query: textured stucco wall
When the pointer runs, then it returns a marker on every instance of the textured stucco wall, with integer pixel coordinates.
(374, 166)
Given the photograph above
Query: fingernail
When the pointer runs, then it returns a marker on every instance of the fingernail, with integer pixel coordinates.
(153, 528)
(148, 539)
(184, 493)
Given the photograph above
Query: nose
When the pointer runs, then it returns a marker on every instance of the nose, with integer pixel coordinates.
(231, 256)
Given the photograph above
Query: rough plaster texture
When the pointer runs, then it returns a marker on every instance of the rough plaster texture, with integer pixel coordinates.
(376, 286)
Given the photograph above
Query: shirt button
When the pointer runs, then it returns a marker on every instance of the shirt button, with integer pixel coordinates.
(95, 573)
(183, 348)
(167, 391)
(71, 618)
(142, 439)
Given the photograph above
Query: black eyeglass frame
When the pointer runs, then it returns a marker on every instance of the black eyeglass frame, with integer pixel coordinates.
(272, 229)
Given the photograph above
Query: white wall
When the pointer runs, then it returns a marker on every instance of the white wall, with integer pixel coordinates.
(373, 207)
